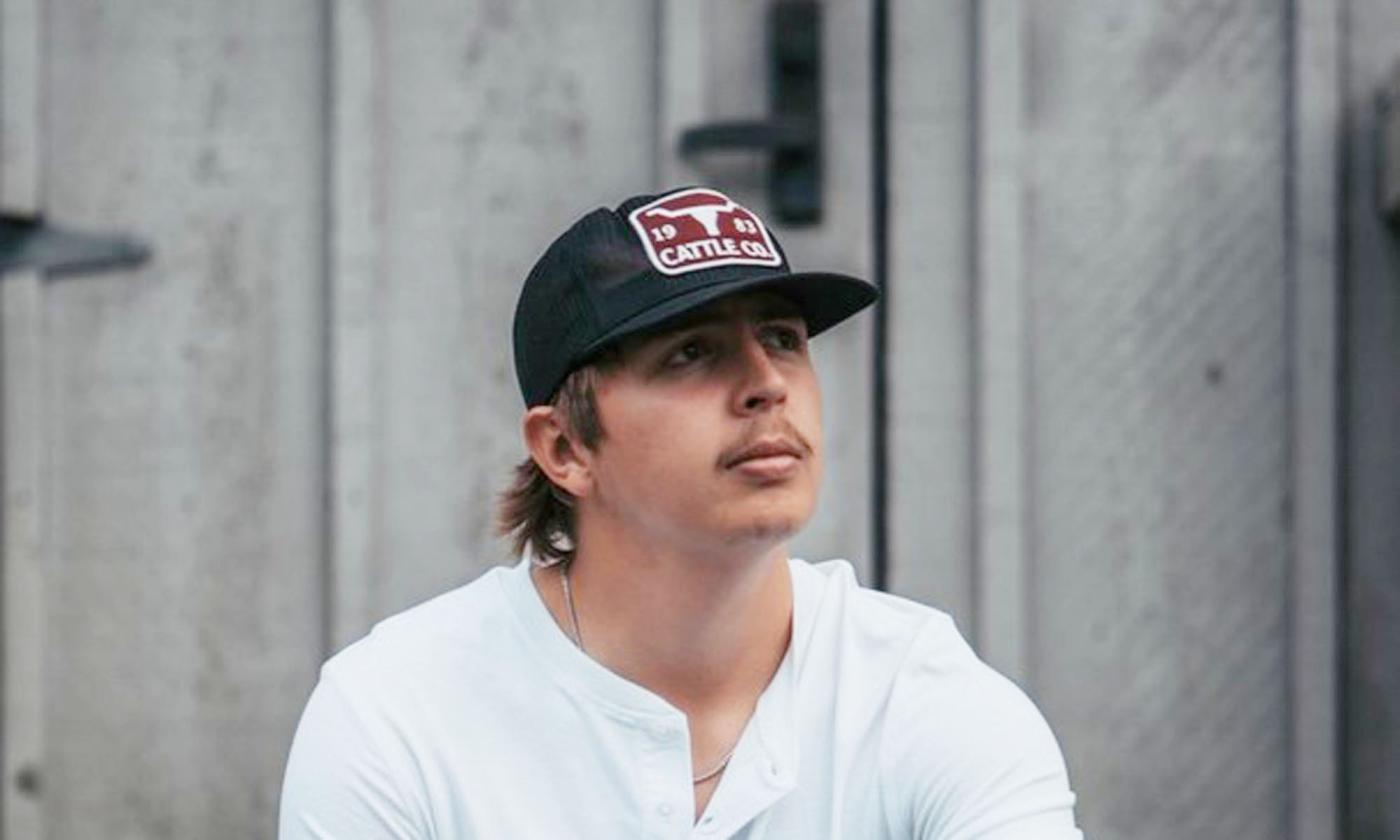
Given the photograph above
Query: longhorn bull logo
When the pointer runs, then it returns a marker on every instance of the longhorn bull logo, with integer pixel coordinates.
(706, 214)
(677, 249)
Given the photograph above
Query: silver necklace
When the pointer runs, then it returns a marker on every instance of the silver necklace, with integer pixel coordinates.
(578, 640)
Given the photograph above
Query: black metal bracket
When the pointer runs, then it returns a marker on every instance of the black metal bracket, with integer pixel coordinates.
(792, 135)
(1388, 138)
(30, 243)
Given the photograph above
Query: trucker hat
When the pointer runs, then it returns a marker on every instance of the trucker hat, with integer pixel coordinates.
(654, 258)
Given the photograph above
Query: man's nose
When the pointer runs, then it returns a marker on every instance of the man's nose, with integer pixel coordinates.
(762, 384)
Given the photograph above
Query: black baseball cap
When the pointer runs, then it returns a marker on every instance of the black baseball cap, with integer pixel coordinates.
(618, 272)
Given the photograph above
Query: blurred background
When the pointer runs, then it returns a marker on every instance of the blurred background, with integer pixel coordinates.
(1130, 410)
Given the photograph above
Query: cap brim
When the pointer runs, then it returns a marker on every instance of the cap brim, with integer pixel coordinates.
(824, 300)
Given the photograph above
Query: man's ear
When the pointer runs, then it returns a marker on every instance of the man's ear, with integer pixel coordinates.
(562, 459)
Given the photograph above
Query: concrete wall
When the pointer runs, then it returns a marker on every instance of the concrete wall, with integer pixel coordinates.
(1131, 249)
(1371, 455)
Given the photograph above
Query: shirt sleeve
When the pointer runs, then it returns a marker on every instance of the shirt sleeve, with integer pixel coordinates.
(339, 784)
(966, 755)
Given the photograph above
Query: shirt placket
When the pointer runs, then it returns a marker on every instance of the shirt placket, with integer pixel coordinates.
(664, 757)
(756, 778)
(763, 768)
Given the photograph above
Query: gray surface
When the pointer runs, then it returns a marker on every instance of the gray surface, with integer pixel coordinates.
(1166, 394)
(1372, 456)
(19, 105)
(927, 311)
(1002, 344)
(1173, 467)
(22, 468)
(1315, 273)
(841, 525)
(723, 46)
(23, 534)
(1388, 153)
(466, 138)
(1159, 439)
(182, 583)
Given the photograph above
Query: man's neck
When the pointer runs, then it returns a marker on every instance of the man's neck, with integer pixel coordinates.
(703, 629)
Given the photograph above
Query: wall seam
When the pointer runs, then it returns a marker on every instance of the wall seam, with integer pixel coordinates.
(880, 187)
(976, 584)
(326, 328)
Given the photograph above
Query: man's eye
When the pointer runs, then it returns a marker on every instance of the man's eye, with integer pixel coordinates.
(782, 338)
(691, 351)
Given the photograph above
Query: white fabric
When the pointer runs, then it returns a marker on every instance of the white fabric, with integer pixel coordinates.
(474, 716)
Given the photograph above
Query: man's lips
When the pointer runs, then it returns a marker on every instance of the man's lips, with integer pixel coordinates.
(769, 451)
(768, 468)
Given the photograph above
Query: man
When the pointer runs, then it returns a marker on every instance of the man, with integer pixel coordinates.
(656, 665)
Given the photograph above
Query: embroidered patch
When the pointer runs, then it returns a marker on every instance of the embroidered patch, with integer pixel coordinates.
(700, 228)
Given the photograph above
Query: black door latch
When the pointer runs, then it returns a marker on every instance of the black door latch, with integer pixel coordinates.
(30, 243)
(792, 134)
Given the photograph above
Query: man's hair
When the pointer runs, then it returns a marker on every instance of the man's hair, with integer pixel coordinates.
(534, 512)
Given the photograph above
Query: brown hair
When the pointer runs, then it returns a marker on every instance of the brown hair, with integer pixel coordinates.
(533, 512)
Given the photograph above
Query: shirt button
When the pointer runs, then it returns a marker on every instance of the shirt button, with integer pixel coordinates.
(707, 824)
(664, 809)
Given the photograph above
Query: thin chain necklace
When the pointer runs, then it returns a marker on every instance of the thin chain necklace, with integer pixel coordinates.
(578, 640)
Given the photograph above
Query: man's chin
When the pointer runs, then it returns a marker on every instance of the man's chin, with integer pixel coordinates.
(766, 531)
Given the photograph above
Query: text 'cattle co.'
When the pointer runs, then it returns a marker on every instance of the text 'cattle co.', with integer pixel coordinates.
(700, 228)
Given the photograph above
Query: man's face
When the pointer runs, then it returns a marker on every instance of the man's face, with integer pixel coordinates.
(712, 428)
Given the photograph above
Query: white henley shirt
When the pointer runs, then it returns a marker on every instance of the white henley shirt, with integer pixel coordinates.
(474, 716)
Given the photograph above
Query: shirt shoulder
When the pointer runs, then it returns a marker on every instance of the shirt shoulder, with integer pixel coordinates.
(862, 634)
(447, 633)
(966, 753)
(345, 776)
(355, 767)
(830, 591)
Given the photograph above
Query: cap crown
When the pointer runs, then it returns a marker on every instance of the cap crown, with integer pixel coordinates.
(613, 266)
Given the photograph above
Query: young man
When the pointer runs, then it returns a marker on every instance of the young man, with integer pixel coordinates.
(656, 665)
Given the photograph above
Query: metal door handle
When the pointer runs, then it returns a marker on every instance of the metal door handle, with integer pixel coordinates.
(792, 135)
(752, 134)
(28, 242)
(1388, 137)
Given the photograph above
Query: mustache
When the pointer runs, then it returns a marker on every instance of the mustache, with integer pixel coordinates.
(779, 431)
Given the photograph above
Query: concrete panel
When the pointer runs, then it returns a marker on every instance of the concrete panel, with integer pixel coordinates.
(1159, 439)
(929, 303)
(183, 592)
(842, 242)
(1315, 261)
(19, 105)
(23, 503)
(25, 517)
(725, 43)
(1372, 440)
(1000, 345)
(465, 137)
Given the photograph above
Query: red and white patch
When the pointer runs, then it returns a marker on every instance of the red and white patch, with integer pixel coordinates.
(699, 228)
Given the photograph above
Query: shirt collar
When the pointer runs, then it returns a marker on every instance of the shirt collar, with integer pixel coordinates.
(764, 766)
(575, 670)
